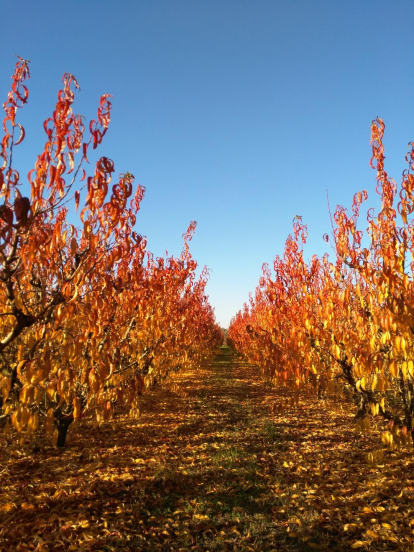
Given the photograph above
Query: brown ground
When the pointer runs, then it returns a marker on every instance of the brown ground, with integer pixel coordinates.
(211, 468)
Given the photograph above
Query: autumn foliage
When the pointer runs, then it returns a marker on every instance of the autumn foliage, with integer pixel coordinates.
(88, 317)
(345, 325)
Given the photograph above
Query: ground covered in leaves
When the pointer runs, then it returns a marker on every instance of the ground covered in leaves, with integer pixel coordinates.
(212, 467)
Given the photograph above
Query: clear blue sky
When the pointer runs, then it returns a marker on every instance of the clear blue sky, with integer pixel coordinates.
(237, 114)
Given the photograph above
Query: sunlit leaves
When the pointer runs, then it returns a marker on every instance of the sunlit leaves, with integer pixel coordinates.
(89, 319)
(349, 321)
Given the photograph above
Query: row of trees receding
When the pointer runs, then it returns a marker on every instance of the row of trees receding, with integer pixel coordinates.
(345, 324)
(88, 317)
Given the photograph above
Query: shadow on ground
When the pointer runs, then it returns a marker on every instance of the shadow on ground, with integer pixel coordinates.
(210, 469)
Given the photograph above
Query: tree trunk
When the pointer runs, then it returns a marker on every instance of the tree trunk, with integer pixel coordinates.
(62, 425)
(361, 407)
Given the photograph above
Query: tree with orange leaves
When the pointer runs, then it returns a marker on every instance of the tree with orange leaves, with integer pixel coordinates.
(85, 320)
(347, 324)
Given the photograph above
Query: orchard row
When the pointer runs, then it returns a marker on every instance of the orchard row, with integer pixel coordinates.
(345, 325)
(88, 317)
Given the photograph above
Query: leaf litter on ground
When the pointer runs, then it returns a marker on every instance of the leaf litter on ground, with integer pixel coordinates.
(210, 465)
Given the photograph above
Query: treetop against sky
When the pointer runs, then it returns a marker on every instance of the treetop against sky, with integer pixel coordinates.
(239, 115)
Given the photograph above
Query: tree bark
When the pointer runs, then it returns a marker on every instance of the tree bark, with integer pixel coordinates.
(62, 425)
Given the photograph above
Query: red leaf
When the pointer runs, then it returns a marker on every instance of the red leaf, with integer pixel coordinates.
(77, 198)
(22, 135)
(85, 148)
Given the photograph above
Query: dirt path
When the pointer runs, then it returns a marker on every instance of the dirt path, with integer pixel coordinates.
(209, 467)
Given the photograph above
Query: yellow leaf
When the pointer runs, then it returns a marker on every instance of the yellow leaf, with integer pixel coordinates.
(25, 415)
(375, 409)
(50, 418)
(360, 544)
(6, 508)
(54, 438)
(18, 301)
(26, 394)
(351, 526)
(386, 525)
(33, 422)
(20, 352)
(393, 368)
(398, 343)
(5, 385)
(107, 411)
(77, 408)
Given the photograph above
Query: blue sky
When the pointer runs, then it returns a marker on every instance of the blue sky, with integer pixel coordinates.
(236, 114)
